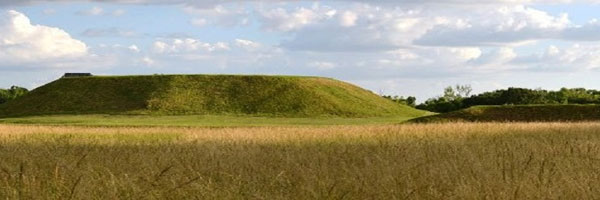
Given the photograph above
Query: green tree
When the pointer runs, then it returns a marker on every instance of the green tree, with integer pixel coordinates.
(409, 101)
(455, 98)
(463, 91)
(12, 93)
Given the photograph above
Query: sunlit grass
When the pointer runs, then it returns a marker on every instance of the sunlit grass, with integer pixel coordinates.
(197, 120)
(435, 161)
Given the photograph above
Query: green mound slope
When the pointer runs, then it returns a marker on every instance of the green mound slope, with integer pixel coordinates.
(204, 94)
(518, 113)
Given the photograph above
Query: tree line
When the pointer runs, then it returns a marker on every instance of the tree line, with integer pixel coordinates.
(459, 97)
(12, 93)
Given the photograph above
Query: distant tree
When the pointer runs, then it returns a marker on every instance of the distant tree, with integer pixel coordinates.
(17, 91)
(440, 105)
(409, 101)
(12, 93)
(451, 100)
(455, 98)
(4, 96)
(450, 94)
(578, 96)
(464, 91)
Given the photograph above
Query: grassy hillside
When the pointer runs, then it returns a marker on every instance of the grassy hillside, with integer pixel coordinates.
(204, 94)
(213, 121)
(520, 113)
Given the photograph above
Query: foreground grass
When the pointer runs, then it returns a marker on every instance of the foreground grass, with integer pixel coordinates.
(415, 161)
(196, 120)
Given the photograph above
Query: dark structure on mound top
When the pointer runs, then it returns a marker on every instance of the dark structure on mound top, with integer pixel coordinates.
(71, 75)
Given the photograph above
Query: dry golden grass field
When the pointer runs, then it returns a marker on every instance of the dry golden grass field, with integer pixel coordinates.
(411, 161)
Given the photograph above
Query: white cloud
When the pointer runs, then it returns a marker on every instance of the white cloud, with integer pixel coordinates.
(434, 58)
(161, 47)
(247, 44)
(497, 26)
(321, 65)
(108, 32)
(24, 43)
(385, 29)
(186, 45)
(279, 19)
(497, 59)
(211, 3)
(373, 28)
(464, 54)
(505, 54)
(199, 22)
(219, 15)
(134, 48)
(572, 58)
(94, 11)
(99, 11)
(348, 19)
(188, 55)
(49, 11)
(586, 32)
(147, 61)
(380, 30)
(118, 12)
(403, 54)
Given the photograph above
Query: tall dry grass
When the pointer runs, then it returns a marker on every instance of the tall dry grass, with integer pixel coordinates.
(436, 161)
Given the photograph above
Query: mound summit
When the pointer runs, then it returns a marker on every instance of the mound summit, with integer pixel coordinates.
(204, 94)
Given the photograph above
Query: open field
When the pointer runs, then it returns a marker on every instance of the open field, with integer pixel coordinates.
(411, 161)
(196, 120)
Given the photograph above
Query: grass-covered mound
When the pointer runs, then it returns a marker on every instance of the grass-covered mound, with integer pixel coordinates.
(204, 94)
(518, 113)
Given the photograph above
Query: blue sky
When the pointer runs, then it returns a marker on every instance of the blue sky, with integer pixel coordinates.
(403, 47)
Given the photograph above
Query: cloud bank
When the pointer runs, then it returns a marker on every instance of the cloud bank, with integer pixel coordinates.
(24, 43)
(209, 3)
